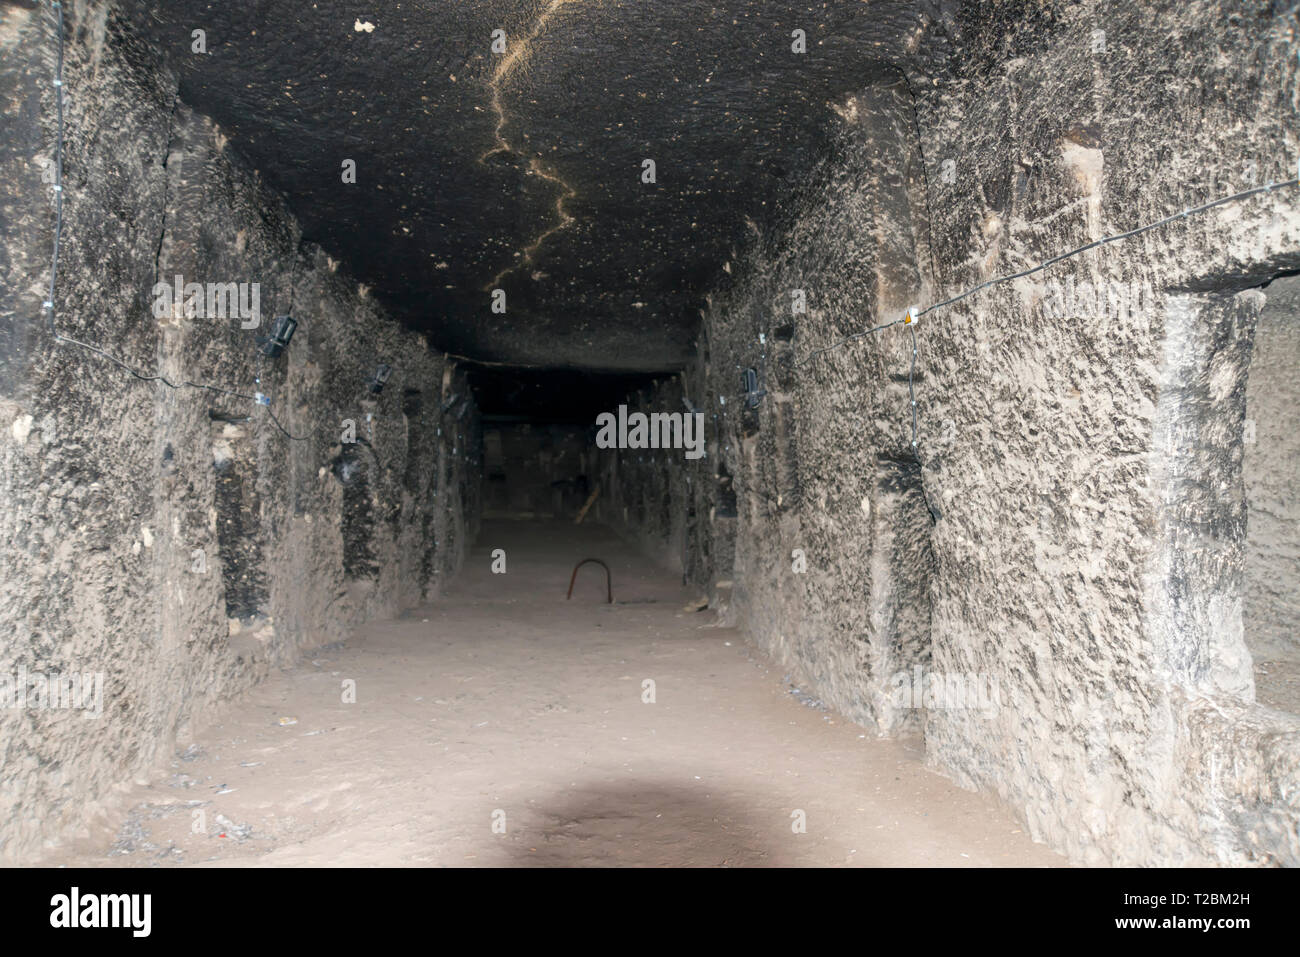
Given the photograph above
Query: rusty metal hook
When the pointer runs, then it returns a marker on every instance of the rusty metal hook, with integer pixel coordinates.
(609, 584)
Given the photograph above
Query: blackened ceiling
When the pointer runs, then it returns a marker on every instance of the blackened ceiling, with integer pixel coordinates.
(523, 171)
(552, 395)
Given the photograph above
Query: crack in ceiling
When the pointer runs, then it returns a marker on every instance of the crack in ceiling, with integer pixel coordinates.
(517, 56)
(524, 165)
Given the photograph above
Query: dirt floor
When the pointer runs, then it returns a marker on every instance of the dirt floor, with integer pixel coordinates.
(504, 725)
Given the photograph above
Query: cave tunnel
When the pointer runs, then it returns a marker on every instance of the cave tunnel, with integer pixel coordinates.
(921, 376)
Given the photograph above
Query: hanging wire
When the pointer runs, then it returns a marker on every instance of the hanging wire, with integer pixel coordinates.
(911, 391)
(910, 318)
(1236, 197)
(48, 305)
(57, 7)
(847, 339)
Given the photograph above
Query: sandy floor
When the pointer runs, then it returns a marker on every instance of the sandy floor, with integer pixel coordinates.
(504, 703)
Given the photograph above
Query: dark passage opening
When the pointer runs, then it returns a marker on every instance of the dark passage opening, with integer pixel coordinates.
(1271, 607)
(352, 467)
(902, 568)
(239, 535)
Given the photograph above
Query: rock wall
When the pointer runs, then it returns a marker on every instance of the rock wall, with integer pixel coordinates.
(177, 542)
(1272, 611)
(1048, 581)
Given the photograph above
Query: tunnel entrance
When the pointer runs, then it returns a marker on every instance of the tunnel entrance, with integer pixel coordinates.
(902, 563)
(238, 521)
(1271, 612)
(353, 468)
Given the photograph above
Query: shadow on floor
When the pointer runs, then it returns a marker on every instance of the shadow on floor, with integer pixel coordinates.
(646, 824)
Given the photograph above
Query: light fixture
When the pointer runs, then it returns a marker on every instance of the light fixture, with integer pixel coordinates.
(281, 332)
(381, 377)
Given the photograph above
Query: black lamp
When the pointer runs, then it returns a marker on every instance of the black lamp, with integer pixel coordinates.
(381, 377)
(281, 332)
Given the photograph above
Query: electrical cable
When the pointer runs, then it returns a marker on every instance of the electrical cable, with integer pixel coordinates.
(910, 317)
(911, 392)
(1269, 187)
(48, 305)
(57, 7)
(1236, 197)
(846, 339)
